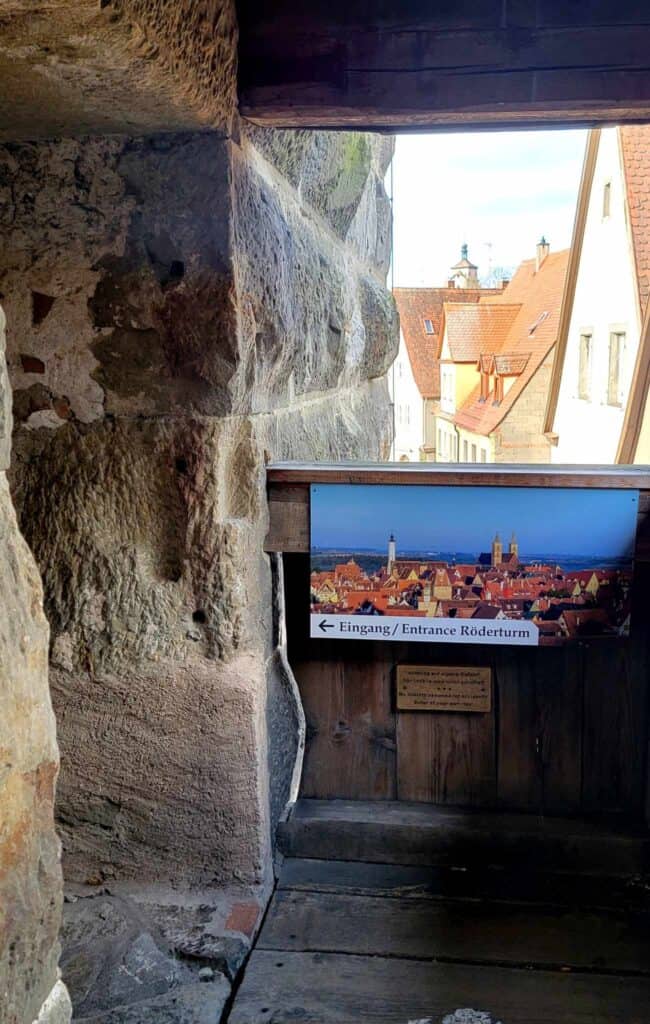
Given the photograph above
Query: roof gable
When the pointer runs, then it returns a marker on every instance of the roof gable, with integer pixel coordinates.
(415, 305)
(530, 336)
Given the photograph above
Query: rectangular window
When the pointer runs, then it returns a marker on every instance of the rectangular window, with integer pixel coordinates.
(428, 326)
(616, 344)
(607, 196)
(584, 367)
(464, 451)
(439, 441)
(483, 455)
(473, 453)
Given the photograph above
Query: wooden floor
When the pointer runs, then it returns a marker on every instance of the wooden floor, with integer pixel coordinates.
(352, 941)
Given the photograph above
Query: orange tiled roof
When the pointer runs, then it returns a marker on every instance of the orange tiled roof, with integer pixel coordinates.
(415, 305)
(635, 150)
(529, 337)
(476, 328)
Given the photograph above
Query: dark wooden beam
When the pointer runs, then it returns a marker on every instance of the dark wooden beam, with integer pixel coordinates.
(405, 64)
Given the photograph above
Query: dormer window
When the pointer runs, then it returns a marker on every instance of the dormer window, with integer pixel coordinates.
(428, 327)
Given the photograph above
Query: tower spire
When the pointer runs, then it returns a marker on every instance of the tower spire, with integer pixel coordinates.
(497, 549)
(513, 546)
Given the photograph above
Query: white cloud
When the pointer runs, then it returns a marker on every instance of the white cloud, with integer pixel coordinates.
(499, 192)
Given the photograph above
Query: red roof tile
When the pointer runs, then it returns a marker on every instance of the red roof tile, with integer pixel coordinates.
(476, 328)
(635, 150)
(415, 305)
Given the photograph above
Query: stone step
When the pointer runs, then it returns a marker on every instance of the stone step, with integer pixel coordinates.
(510, 885)
(395, 832)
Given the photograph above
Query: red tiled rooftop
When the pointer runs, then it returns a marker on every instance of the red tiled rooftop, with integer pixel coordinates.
(415, 305)
(530, 336)
(474, 328)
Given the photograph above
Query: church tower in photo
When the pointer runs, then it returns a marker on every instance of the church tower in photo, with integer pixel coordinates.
(391, 554)
(513, 546)
(497, 550)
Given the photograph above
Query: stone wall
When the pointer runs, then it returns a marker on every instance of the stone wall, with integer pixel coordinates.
(521, 437)
(78, 67)
(30, 871)
(182, 308)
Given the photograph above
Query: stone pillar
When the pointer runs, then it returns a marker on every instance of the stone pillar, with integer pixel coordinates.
(183, 307)
(30, 870)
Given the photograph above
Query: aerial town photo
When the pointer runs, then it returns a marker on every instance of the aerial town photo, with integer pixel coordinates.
(483, 554)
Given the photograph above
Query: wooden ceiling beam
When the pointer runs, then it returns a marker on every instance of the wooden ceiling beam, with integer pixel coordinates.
(396, 65)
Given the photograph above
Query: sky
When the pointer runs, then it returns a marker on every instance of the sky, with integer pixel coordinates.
(558, 521)
(497, 191)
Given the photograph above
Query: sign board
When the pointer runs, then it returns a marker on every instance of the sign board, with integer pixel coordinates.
(471, 565)
(443, 688)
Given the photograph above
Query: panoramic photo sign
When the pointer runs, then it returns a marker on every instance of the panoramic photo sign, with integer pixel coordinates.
(479, 565)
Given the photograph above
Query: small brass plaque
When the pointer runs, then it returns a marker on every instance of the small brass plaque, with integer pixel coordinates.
(443, 688)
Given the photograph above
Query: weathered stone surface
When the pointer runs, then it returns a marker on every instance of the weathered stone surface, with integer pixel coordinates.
(77, 67)
(180, 800)
(111, 958)
(57, 1008)
(30, 871)
(315, 317)
(198, 1003)
(340, 175)
(163, 574)
(468, 1017)
(178, 313)
(131, 242)
(211, 929)
(6, 421)
(131, 949)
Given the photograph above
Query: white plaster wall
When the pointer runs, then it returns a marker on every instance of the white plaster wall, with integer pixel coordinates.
(605, 300)
(446, 441)
(448, 387)
(409, 407)
(483, 445)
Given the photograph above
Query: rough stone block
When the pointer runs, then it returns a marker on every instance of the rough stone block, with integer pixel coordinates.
(182, 308)
(30, 870)
(6, 421)
(198, 1003)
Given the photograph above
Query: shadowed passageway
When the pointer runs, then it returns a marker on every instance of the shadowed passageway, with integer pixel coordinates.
(367, 942)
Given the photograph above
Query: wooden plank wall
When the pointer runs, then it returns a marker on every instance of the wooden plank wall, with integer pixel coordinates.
(567, 734)
(401, 64)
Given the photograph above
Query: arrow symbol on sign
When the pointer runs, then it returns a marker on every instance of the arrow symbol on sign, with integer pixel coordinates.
(325, 625)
